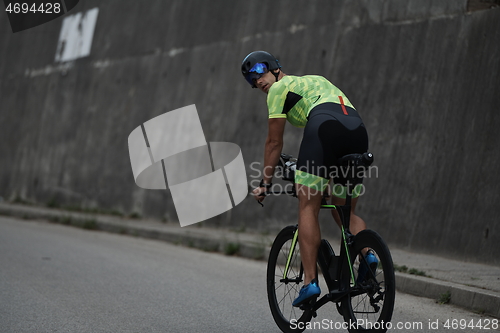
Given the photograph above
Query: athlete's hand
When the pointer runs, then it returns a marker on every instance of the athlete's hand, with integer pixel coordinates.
(258, 193)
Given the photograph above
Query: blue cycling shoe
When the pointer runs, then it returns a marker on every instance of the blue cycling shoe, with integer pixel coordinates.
(370, 261)
(307, 293)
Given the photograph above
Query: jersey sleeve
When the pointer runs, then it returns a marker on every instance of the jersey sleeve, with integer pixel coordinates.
(276, 99)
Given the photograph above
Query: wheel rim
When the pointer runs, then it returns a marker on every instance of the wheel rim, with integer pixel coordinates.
(283, 292)
(371, 300)
(287, 290)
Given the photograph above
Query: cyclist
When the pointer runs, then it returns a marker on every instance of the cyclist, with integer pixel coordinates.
(332, 129)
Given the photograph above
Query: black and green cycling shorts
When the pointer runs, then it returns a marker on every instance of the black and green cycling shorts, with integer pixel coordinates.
(332, 131)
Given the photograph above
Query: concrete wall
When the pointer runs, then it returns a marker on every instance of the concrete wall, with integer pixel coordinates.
(425, 78)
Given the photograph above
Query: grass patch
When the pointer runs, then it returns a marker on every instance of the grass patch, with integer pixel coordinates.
(54, 219)
(19, 200)
(90, 224)
(412, 271)
(444, 298)
(115, 212)
(231, 248)
(67, 220)
(402, 269)
(135, 215)
(52, 203)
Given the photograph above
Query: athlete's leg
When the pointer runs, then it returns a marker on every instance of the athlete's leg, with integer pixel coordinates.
(309, 231)
(356, 223)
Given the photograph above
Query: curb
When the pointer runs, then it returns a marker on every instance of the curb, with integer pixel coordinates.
(470, 298)
(474, 299)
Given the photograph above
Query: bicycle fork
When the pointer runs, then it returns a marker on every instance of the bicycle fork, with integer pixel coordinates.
(290, 253)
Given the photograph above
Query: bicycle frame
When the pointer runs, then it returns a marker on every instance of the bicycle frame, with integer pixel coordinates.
(360, 279)
(345, 264)
(336, 293)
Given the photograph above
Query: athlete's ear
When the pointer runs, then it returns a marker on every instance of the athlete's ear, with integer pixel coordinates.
(276, 73)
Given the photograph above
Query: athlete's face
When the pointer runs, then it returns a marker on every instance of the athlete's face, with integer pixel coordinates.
(265, 81)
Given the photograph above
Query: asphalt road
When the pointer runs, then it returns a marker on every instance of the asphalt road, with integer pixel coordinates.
(62, 279)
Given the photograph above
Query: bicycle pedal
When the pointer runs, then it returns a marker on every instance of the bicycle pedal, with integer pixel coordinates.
(308, 306)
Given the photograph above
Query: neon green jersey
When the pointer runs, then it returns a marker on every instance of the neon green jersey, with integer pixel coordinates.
(293, 97)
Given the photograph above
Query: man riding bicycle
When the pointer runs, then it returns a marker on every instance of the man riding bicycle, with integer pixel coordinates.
(332, 129)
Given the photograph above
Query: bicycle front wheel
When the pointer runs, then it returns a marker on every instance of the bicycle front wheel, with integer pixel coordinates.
(283, 288)
(369, 305)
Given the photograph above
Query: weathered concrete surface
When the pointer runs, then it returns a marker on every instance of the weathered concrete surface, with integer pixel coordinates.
(424, 78)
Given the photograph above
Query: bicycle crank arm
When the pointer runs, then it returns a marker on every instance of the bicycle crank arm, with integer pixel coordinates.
(286, 281)
(333, 296)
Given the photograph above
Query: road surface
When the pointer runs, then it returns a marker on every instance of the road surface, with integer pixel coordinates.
(55, 278)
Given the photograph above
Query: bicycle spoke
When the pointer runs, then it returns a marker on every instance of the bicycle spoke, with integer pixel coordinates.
(282, 290)
(372, 300)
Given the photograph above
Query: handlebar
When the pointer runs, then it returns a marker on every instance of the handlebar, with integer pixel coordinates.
(288, 163)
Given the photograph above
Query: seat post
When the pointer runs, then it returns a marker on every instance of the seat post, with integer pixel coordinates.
(353, 162)
(346, 209)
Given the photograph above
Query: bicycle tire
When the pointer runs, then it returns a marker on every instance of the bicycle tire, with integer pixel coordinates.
(281, 293)
(370, 304)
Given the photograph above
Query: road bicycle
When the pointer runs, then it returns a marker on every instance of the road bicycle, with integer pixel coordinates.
(365, 300)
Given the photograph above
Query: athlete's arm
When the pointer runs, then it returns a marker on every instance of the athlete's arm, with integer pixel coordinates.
(272, 151)
(274, 144)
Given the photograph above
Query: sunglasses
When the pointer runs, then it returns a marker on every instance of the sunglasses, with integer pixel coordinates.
(256, 73)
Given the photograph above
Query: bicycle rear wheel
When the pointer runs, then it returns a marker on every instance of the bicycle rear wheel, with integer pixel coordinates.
(281, 291)
(370, 304)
